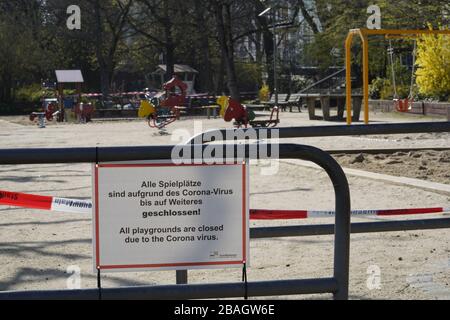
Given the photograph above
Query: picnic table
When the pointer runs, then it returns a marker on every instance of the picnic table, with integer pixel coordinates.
(325, 105)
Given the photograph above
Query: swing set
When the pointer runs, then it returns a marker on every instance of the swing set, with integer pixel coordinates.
(402, 105)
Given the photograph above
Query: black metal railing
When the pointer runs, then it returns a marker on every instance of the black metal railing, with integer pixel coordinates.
(337, 284)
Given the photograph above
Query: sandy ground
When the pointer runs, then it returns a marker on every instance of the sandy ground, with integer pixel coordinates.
(37, 247)
(425, 165)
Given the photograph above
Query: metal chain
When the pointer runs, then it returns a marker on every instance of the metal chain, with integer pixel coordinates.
(413, 75)
(391, 59)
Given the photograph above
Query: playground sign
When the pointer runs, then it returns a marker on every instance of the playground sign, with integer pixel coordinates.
(162, 216)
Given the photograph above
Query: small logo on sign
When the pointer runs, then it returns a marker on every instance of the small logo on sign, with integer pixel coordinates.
(74, 280)
(374, 279)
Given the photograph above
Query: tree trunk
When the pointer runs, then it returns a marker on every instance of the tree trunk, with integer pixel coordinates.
(308, 17)
(268, 48)
(105, 81)
(103, 66)
(227, 46)
(7, 87)
(170, 61)
(206, 74)
(205, 77)
(267, 43)
(219, 79)
(229, 62)
(170, 45)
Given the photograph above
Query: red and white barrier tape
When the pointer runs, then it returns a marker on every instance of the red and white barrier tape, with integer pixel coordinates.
(260, 214)
(45, 202)
(85, 206)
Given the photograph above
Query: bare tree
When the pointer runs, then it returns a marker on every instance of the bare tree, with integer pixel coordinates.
(109, 26)
(155, 20)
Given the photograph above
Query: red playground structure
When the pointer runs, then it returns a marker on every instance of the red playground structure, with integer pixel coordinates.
(84, 112)
(50, 111)
(243, 116)
(164, 109)
(174, 97)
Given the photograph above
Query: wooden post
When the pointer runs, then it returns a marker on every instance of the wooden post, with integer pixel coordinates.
(61, 102)
(311, 103)
(79, 93)
(341, 107)
(325, 103)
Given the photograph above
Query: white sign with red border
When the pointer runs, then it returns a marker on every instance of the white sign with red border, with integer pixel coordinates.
(162, 216)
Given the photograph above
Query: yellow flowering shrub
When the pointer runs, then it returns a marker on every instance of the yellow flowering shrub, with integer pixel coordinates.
(433, 62)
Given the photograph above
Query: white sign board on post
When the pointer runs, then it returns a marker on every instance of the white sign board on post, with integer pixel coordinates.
(161, 216)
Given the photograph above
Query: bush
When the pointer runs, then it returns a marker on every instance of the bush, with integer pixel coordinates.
(264, 93)
(249, 76)
(33, 93)
(433, 74)
(377, 86)
(383, 89)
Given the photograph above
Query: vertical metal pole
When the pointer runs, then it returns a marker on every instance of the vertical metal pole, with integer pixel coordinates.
(275, 77)
(182, 276)
(365, 41)
(342, 250)
(348, 72)
(99, 284)
(41, 121)
(341, 231)
(61, 102)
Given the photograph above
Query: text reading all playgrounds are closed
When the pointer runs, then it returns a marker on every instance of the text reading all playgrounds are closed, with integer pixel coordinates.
(154, 218)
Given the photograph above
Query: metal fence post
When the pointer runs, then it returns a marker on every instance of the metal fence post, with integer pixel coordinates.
(182, 276)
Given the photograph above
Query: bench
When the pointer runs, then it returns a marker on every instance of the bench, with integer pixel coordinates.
(282, 100)
(295, 100)
(282, 103)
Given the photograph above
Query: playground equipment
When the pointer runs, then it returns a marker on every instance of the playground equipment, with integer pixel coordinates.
(162, 112)
(84, 112)
(402, 105)
(158, 117)
(49, 113)
(364, 35)
(174, 97)
(64, 78)
(231, 109)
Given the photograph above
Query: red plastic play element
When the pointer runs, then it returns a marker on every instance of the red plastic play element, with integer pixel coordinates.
(161, 121)
(48, 113)
(174, 99)
(403, 105)
(241, 115)
(236, 111)
(84, 111)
